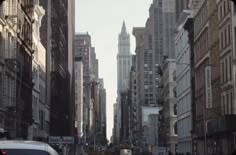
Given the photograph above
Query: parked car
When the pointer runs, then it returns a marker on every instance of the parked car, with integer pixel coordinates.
(20, 147)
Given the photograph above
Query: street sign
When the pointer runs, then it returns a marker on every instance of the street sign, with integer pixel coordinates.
(54, 140)
(67, 140)
(61, 140)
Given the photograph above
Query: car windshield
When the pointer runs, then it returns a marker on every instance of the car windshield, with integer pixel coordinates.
(23, 152)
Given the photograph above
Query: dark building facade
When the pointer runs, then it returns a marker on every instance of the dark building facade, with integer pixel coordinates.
(60, 77)
(189, 27)
(54, 34)
(124, 129)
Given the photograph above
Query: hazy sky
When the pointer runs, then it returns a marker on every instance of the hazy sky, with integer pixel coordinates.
(103, 19)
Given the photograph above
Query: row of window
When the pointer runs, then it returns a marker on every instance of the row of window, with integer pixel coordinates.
(184, 104)
(185, 146)
(225, 37)
(181, 42)
(200, 19)
(199, 77)
(184, 127)
(201, 47)
(227, 103)
(183, 83)
(224, 9)
(183, 60)
(42, 94)
(226, 69)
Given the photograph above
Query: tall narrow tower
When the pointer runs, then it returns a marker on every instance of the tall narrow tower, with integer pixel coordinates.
(123, 60)
(123, 68)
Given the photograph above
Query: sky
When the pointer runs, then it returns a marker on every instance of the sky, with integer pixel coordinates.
(103, 19)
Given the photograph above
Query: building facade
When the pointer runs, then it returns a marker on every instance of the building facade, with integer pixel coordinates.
(183, 83)
(102, 125)
(71, 76)
(201, 59)
(45, 36)
(207, 78)
(149, 55)
(79, 104)
(83, 49)
(139, 34)
(40, 126)
(147, 112)
(169, 20)
(169, 107)
(134, 106)
(153, 125)
(16, 67)
(180, 5)
(125, 113)
(60, 113)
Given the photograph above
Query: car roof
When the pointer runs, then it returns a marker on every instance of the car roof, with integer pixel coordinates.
(21, 144)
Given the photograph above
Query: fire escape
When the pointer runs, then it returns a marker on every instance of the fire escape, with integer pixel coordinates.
(59, 75)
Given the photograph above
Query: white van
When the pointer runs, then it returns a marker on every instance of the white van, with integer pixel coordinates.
(125, 152)
(20, 147)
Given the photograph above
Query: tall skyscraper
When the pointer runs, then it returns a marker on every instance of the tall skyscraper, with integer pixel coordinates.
(83, 49)
(123, 70)
(123, 59)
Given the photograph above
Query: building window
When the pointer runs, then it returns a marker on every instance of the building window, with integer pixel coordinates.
(225, 39)
(223, 104)
(174, 92)
(175, 109)
(234, 9)
(41, 119)
(226, 70)
(174, 76)
(221, 12)
(229, 33)
(222, 40)
(226, 103)
(230, 68)
(224, 7)
(231, 102)
(175, 128)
